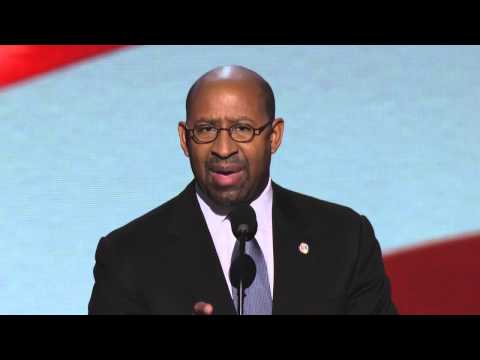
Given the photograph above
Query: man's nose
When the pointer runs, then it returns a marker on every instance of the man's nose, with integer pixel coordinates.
(224, 146)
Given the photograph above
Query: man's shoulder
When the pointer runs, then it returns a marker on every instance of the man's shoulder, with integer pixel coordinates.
(155, 218)
(146, 229)
(306, 207)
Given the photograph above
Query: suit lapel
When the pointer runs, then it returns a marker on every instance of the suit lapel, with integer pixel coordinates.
(204, 274)
(291, 266)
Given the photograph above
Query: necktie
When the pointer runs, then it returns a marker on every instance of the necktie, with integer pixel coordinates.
(258, 299)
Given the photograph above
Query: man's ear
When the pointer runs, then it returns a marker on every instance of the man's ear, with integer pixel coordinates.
(277, 134)
(182, 134)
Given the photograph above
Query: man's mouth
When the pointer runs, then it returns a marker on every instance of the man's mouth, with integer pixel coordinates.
(226, 176)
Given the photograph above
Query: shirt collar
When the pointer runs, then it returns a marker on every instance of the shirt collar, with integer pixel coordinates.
(263, 205)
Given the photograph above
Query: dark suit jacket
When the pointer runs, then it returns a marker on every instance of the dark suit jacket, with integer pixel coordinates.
(165, 261)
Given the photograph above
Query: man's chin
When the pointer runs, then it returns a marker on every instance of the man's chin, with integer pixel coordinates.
(227, 198)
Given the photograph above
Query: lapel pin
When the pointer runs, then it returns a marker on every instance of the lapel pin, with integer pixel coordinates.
(303, 248)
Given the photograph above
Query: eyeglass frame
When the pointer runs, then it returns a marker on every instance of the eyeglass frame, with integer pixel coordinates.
(256, 132)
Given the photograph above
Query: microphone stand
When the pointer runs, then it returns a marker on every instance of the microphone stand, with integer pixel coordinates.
(241, 290)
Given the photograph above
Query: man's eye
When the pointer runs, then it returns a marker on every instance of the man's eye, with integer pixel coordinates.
(205, 129)
(242, 128)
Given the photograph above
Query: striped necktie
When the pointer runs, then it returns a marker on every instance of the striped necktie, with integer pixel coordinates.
(258, 299)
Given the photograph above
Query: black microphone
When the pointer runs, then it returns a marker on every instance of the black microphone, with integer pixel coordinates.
(243, 270)
(244, 222)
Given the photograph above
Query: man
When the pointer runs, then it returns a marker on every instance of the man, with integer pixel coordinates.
(311, 256)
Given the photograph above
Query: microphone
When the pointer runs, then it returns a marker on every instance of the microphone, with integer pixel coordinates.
(243, 270)
(244, 222)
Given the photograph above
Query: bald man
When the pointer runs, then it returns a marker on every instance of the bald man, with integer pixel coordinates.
(311, 256)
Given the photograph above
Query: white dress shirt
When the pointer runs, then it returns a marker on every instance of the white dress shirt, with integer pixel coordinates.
(223, 238)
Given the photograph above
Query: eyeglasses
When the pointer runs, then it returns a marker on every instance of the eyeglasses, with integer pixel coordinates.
(207, 133)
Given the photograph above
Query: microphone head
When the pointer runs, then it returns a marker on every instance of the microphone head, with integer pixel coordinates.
(242, 269)
(244, 222)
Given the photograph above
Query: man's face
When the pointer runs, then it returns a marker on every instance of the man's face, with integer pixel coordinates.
(227, 171)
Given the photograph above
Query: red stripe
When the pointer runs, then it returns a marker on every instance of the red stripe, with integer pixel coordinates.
(20, 62)
(442, 278)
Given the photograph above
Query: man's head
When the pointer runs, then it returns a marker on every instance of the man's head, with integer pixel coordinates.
(227, 171)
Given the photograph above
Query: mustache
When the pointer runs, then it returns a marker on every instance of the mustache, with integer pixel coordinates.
(228, 165)
(233, 160)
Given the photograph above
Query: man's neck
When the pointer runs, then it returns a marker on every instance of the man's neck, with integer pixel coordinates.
(224, 209)
(217, 209)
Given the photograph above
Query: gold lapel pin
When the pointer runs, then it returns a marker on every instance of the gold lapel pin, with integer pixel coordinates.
(303, 248)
